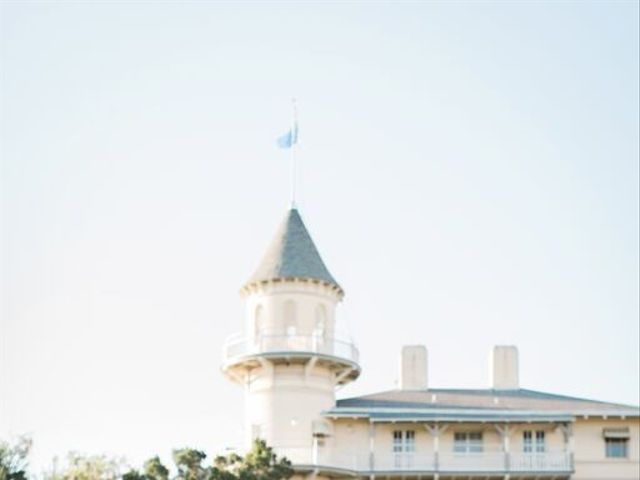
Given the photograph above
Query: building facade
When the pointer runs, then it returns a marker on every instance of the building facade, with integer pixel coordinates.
(290, 360)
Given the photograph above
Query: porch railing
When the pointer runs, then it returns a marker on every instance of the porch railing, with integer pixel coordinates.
(557, 461)
(481, 462)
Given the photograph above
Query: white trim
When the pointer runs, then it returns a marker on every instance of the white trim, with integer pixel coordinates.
(484, 412)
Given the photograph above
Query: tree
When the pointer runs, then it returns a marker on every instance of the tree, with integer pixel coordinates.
(134, 475)
(155, 470)
(13, 459)
(225, 468)
(90, 467)
(189, 463)
(260, 463)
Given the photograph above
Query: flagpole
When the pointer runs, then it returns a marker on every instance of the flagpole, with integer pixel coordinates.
(294, 141)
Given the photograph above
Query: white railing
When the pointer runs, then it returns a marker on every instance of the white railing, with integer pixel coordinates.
(540, 462)
(481, 462)
(321, 458)
(239, 346)
(405, 462)
(473, 462)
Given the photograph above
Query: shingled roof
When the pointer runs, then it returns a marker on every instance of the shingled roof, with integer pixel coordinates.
(462, 403)
(292, 254)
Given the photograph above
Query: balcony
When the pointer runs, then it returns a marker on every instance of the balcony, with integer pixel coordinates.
(239, 347)
(550, 462)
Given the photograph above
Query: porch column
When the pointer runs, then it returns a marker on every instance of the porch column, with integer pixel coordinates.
(567, 433)
(372, 444)
(435, 430)
(505, 432)
(314, 452)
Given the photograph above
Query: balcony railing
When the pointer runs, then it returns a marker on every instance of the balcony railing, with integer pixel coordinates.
(238, 346)
(449, 462)
(540, 462)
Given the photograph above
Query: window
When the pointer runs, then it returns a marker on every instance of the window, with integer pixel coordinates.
(616, 442)
(404, 446)
(397, 441)
(319, 331)
(410, 441)
(321, 315)
(290, 317)
(259, 323)
(616, 447)
(467, 442)
(533, 441)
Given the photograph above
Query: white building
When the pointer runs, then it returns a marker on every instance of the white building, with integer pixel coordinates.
(290, 361)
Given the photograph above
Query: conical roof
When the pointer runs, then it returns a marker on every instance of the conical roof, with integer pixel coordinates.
(292, 254)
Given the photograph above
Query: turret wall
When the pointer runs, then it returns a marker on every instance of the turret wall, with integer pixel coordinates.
(284, 401)
(294, 308)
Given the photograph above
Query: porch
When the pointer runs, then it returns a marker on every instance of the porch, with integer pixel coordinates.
(552, 464)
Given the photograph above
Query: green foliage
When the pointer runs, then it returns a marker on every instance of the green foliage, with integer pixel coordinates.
(89, 467)
(225, 468)
(13, 459)
(155, 470)
(189, 463)
(133, 475)
(260, 463)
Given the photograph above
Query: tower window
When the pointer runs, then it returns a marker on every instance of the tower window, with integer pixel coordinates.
(258, 321)
(321, 319)
(290, 317)
(320, 329)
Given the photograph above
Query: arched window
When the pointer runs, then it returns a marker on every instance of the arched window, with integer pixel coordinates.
(258, 322)
(290, 318)
(320, 329)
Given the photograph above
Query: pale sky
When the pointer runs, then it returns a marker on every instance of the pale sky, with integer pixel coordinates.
(469, 172)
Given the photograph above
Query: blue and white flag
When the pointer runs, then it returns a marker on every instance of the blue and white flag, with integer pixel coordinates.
(289, 139)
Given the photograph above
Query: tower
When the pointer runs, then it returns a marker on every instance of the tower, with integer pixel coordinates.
(290, 359)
